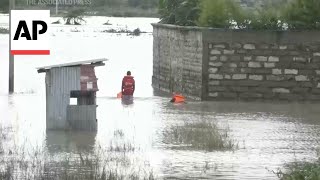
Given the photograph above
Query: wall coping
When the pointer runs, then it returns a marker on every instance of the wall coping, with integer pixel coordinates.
(172, 26)
(220, 35)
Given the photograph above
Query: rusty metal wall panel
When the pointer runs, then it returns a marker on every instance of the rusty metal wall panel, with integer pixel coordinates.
(60, 82)
(82, 117)
(88, 78)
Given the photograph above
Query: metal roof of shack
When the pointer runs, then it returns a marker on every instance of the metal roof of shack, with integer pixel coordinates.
(95, 62)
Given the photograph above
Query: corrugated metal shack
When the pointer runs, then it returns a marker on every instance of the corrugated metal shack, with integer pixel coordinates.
(71, 80)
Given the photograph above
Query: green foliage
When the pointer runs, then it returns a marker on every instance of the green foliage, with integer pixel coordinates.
(203, 135)
(179, 12)
(303, 14)
(218, 13)
(301, 171)
(276, 15)
(268, 19)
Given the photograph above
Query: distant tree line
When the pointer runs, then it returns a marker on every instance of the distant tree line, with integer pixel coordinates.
(96, 3)
(277, 15)
(130, 3)
(4, 5)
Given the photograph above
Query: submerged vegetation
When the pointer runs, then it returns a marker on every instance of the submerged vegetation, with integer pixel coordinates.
(204, 135)
(283, 15)
(75, 17)
(56, 22)
(135, 32)
(77, 168)
(4, 31)
(102, 164)
(301, 171)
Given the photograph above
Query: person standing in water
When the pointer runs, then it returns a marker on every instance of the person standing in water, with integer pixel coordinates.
(128, 88)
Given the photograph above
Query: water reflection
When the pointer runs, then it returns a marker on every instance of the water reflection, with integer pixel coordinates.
(127, 100)
(142, 135)
(157, 135)
(70, 142)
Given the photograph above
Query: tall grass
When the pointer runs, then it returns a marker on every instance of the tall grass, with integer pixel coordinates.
(81, 168)
(203, 135)
(300, 171)
(103, 164)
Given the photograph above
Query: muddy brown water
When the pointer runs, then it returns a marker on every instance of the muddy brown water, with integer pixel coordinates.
(269, 135)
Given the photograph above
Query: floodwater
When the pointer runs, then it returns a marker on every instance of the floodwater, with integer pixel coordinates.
(268, 135)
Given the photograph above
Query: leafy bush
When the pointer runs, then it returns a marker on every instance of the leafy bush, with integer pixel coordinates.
(285, 14)
(303, 14)
(218, 13)
(301, 171)
(179, 12)
(268, 19)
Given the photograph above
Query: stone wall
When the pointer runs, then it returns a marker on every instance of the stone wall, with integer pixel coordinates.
(177, 60)
(215, 64)
(262, 65)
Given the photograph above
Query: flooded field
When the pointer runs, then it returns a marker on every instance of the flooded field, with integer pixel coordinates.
(151, 139)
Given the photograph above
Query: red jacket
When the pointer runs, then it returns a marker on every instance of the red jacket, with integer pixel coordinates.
(128, 85)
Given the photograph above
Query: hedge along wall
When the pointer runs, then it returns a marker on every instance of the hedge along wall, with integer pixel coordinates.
(248, 65)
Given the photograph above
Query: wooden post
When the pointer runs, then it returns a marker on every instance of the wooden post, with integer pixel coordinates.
(11, 57)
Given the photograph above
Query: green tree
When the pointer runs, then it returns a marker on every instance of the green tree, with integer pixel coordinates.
(266, 19)
(303, 14)
(180, 12)
(218, 13)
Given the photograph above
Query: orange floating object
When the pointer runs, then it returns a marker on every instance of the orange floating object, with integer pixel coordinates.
(178, 98)
(119, 95)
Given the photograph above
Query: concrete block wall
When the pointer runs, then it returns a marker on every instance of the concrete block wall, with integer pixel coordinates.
(262, 65)
(177, 60)
(237, 65)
